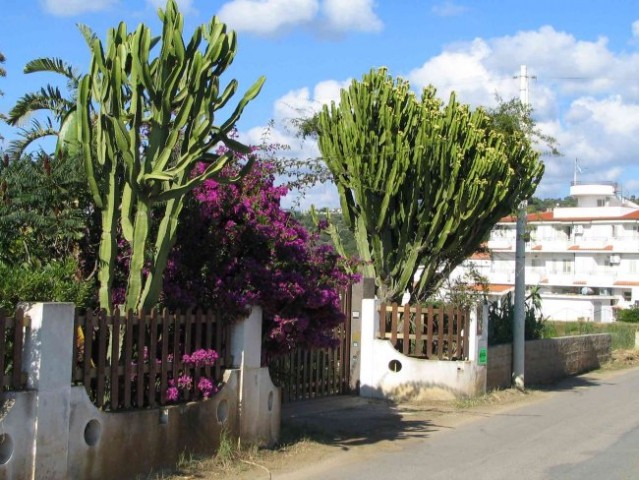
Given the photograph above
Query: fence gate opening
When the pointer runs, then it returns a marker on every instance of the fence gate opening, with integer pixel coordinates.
(318, 372)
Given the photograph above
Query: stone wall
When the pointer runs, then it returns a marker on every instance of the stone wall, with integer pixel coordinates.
(549, 360)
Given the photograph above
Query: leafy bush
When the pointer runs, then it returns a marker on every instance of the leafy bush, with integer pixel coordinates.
(237, 247)
(500, 319)
(53, 282)
(628, 315)
(623, 334)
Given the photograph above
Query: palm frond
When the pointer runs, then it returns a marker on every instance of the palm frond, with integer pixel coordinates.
(51, 65)
(37, 131)
(88, 34)
(48, 98)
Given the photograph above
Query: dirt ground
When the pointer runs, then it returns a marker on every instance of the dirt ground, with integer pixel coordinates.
(330, 429)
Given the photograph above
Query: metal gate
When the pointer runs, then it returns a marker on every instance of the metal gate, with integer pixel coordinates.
(319, 372)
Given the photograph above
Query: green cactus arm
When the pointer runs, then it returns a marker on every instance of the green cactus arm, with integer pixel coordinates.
(250, 94)
(141, 226)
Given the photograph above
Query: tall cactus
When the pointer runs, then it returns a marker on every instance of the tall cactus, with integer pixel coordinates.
(420, 183)
(144, 125)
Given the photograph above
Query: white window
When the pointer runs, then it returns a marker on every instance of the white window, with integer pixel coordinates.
(566, 266)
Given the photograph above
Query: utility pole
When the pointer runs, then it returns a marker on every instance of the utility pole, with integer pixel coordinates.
(519, 344)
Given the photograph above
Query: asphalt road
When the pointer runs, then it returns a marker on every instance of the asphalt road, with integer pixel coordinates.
(587, 429)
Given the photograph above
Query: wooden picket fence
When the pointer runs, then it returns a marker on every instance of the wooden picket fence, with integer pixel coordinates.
(317, 372)
(309, 373)
(12, 335)
(426, 331)
(148, 350)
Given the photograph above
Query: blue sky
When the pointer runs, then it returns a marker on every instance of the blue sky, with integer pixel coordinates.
(583, 53)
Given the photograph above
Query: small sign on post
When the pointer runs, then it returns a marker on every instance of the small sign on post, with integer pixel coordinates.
(483, 356)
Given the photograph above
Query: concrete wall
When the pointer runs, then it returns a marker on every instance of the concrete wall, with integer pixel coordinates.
(549, 360)
(53, 431)
(381, 377)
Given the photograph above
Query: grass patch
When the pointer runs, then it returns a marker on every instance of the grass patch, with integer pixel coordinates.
(494, 397)
(623, 334)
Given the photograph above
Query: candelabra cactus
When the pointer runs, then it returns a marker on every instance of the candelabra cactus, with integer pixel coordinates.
(144, 124)
(420, 183)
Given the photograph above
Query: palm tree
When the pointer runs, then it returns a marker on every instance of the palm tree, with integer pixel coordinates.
(3, 73)
(49, 99)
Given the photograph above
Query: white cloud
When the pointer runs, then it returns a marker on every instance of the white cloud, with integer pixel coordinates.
(464, 71)
(448, 9)
(267, 17)
(271, 17)
(351, 15)
(635, 28)
(185, 6)
(68, 8)
(300, 103)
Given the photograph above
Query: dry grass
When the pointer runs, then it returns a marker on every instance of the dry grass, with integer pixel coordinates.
(623, 358)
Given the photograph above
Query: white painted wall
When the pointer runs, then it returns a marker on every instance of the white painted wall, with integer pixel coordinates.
(418, 378)
(54, 431)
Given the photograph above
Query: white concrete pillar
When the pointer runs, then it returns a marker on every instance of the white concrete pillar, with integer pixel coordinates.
(246, 340)
(48, 359)
(260, 408)
(370, 328)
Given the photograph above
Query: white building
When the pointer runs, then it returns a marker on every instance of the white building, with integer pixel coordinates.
(585, 259)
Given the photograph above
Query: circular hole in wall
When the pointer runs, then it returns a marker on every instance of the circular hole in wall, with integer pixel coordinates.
(394, 365)
(92, 433)
(222, 411)
(270, 401)
(6, 448)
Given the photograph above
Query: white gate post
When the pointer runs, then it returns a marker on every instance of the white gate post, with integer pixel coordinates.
(48, 359)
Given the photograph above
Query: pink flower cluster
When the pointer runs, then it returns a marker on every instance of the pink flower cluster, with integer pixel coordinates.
(201, 358)
(198, 359)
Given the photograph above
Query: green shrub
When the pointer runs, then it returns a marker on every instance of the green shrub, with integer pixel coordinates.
(629, 315)
(54, 282)
(500, 319)
(623, 334)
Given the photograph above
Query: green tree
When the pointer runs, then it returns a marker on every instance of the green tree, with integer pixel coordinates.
(143, 126)
(46, 212)
(420, 183)
(48, 100)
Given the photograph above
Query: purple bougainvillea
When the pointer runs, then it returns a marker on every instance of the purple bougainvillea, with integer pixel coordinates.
(237, 247)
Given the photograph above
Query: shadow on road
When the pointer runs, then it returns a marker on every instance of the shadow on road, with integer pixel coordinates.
(570, 383)
(351, 421)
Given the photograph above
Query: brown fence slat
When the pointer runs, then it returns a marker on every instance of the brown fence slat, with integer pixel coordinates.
(115, 355)
(103, 334)
(218, 345)
(394, 325)
(3, 347)
(128, 359)
(451, 325)
(164, 357)
(140, 361)
(383, 312)
(419, 326)
(153, 352)
(208, 341)
(429, 331)
(440, 332)
(406, 340)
